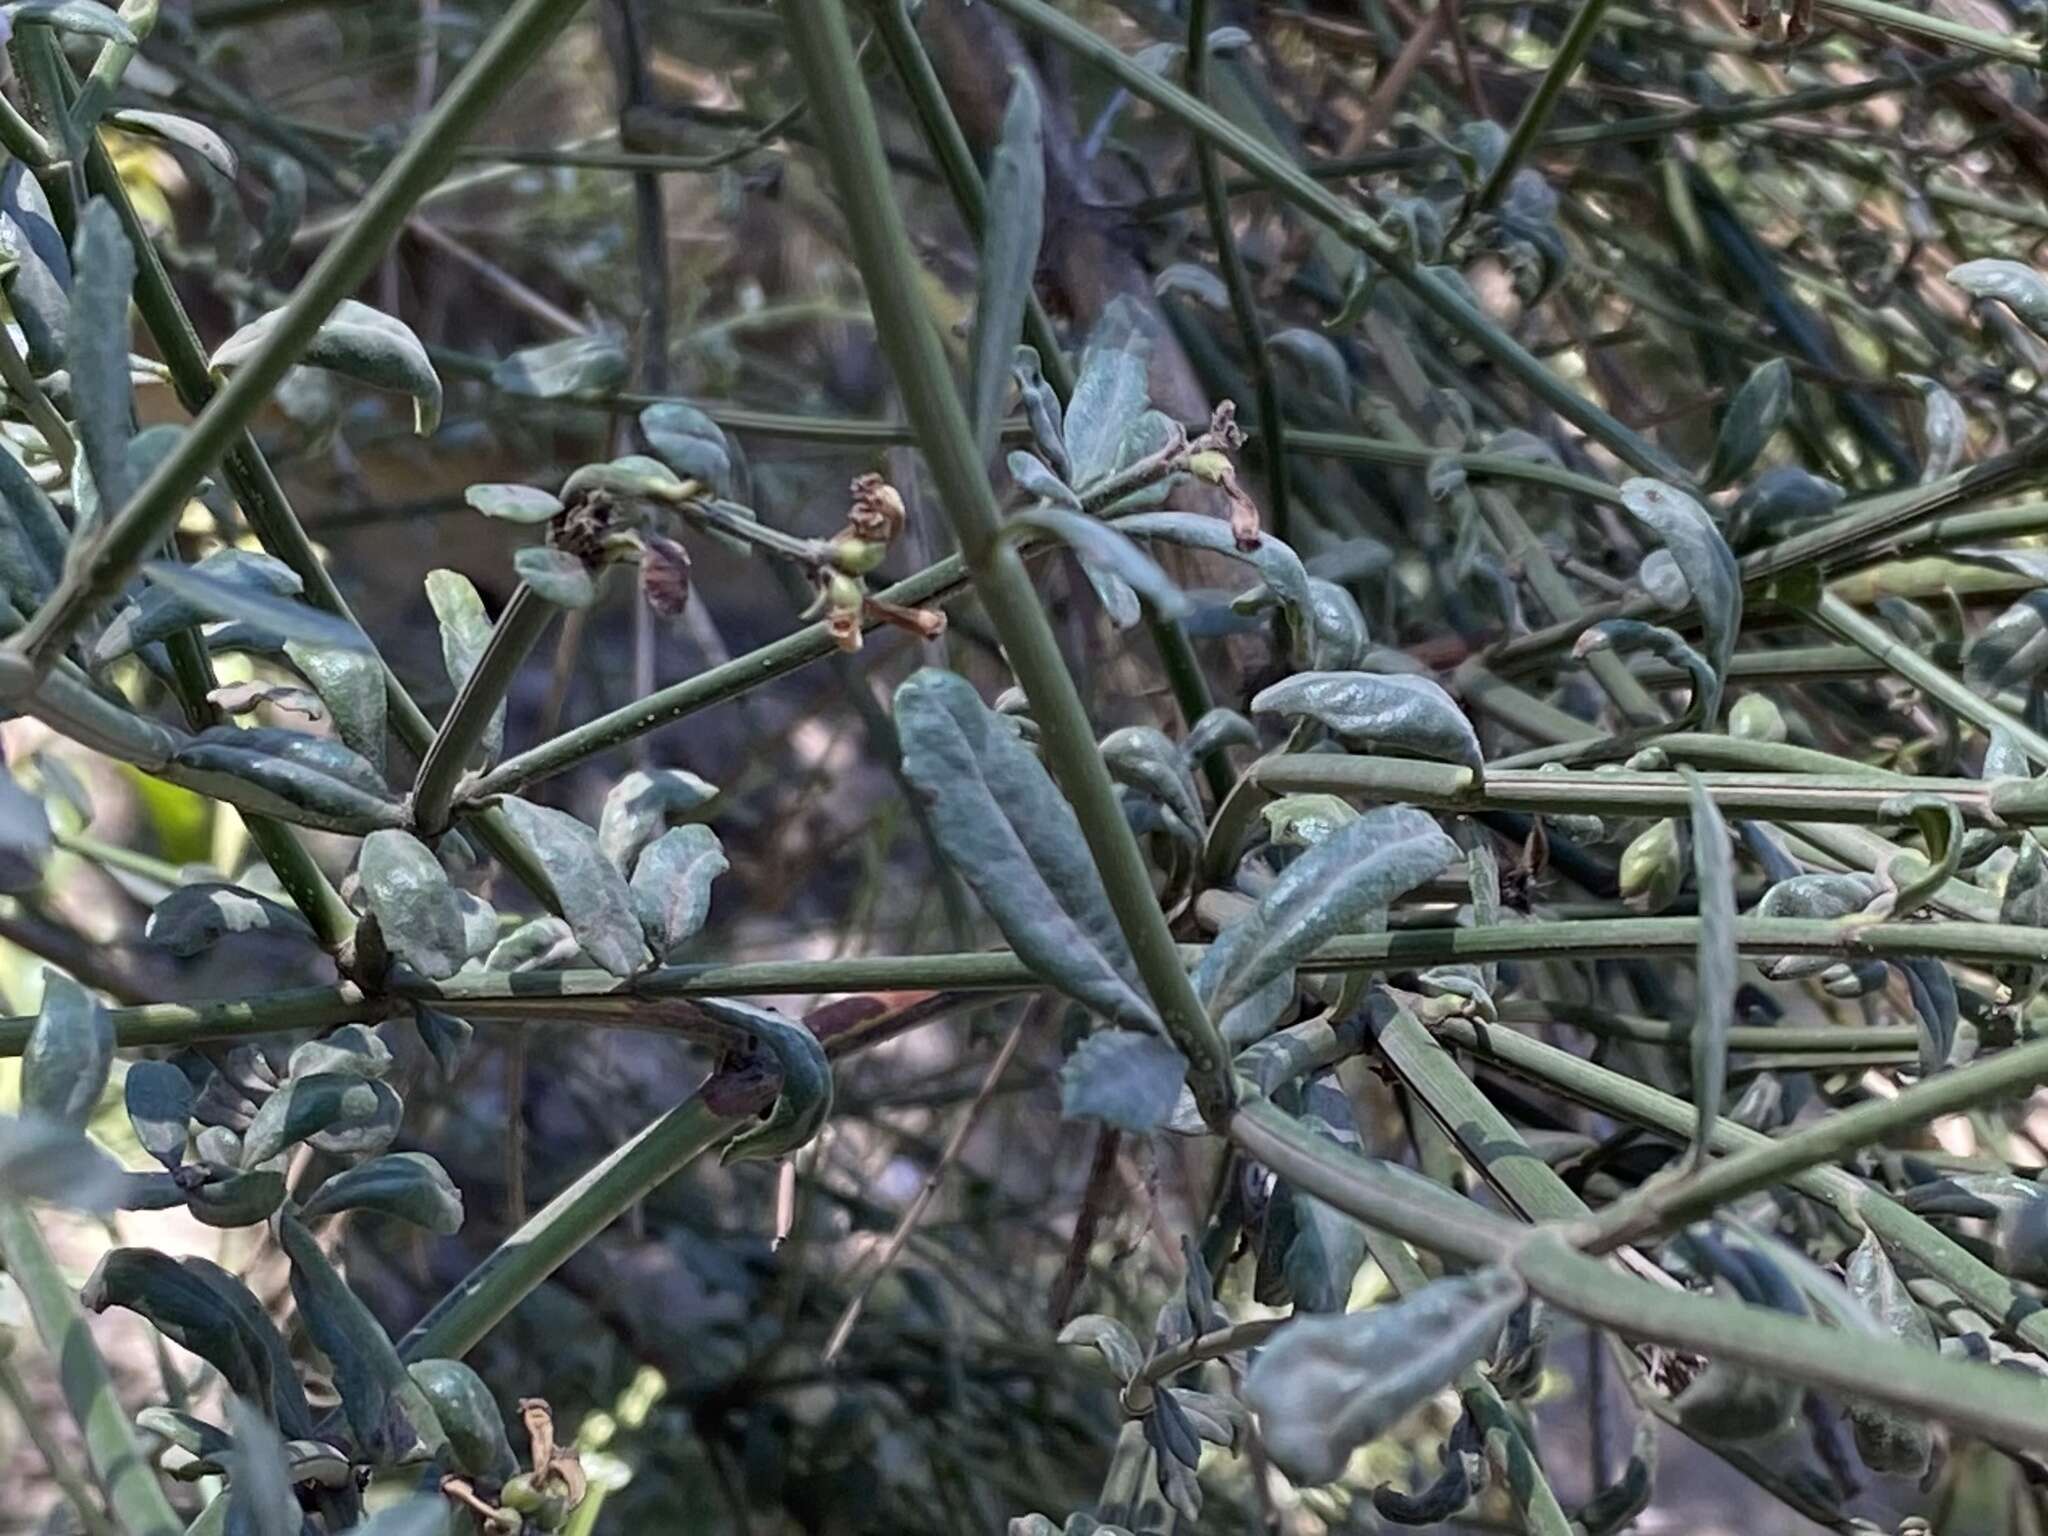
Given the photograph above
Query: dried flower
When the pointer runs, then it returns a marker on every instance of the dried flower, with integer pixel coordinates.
(877, 510)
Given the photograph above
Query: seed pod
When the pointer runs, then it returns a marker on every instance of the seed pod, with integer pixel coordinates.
(1652, 869)
(1755, 718)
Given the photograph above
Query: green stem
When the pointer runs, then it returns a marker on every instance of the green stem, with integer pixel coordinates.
(142, 524)
(84, 1503)
(1237, 282)
(1898, 18)
(1847, 623)
(1289, 182)
(566, 1224)
(518, 630)
(35, 405)
(1571, 49)
(818, 38)
(134, 1498)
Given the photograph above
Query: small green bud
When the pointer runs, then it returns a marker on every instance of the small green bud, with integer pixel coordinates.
(523, 1494)
(844, 593)
(1755, 718)
(856, 557)
(1209, 466)
(1651, 869)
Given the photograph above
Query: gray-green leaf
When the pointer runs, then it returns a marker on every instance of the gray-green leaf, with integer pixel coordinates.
(159, 1101)
(1707, 563)
(1888, 1441)
(513, 503)
(560, 577)
(1009, 254)
(87, 18)
(1124, 1079)
(672, 885)
(1005, 828)
(2011, 649)
(465, 631)
(1943, 428)
(588, 891)
(1109, 1338)
(323, 1104)
(350, 682)
(182, 132)
(574, 366)
(358, 343)
(70, 1052)
(194, 918)
(46, 1160)
(690, 443)
(103, 401)
(1118, 569)
(210, 598)
(1277, 564)
(1392, 711)
(644, 804)
(310, 779)
(1327, 1385)
(414, 903)
(1110, 394)
(2014, 284)
(1713, 868)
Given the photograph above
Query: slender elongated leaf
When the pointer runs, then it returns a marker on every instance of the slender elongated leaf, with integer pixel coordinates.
(1120, 571)
(1713, 866)
(182, 133)
(311, 779)
(1668, 645)
(1887, 1440)
(1706, 561)
(1944, 430)
(2011, 649)
(589, 892)
(391, 1417)
(260, 1497)
(1278, 565)
(1326, 1385)
(1127, 1080)
(1042, 410)
(212, 598)
(1384, 711)
(1142, 757)
(1110, 394)
(37, 269)
(465, 631)
(1752, 419)
(414, 903)
(358, 343)
(1005, 828)
(86, 18)
(514, 503)
(1361, 868)
(103, 404)
(218, 587)
(1009, 255)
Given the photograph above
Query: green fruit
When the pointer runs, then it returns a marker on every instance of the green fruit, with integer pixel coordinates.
(1652, 869)
(477, 1444)
(857, 557)
(521, 1493)
(1755, 718)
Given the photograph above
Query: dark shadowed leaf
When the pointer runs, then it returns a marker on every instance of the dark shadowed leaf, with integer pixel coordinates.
(465, 631)
(194, 918)
(311, 779)
(1216, 729)
(2011, 649)
(1009, 255)
(643, 805)
(37, 269)
(359, 343)
(200, 1307)
(445, 1037)
(469, 1414)
(103, 403)
(588, 891)
(162, 609)
(672, 885)
(1327, 1385)
(1042, 410)
(569, 367)
(805, 1101)
(392, 1419)
(70, 1051)
(1360, 869)
(1666, 644)
(414, 903)
(1753, 418)
(260, 1497)
(182, 133)
(408, 1185)
(1005, 828)
(1713, 867)
(1124, 1079)
(1889, 1441)
(159, 1099)
(1384, 711)
(212, 598)
(1705, 560)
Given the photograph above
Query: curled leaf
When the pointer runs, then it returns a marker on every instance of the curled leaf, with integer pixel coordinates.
(358, 343)
(1391, 711)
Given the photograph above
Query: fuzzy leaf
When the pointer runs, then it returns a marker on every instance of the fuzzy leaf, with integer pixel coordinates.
(577, 365)
(690, 443)
(1278, 565)
(354, 1050)
(69, 1054)
(103, 401)
(217, 587)
(1004, 827)
(2011, 649)
(1109, 1338)
(310, 779)
(560, 577)
(350, 682)
(1379, 710)
(1118, 569)
(1124, 1079)
(1326, 1385)
(465, 631)
(588, 891)
(1705, 560)
(672, 885)
(1111, 392)
(643, 805)
(414, 903)
(359, 343)
(469, 1414)
(1888, 1441)
(1009, 255)
(1361, 868)
(513, 503)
